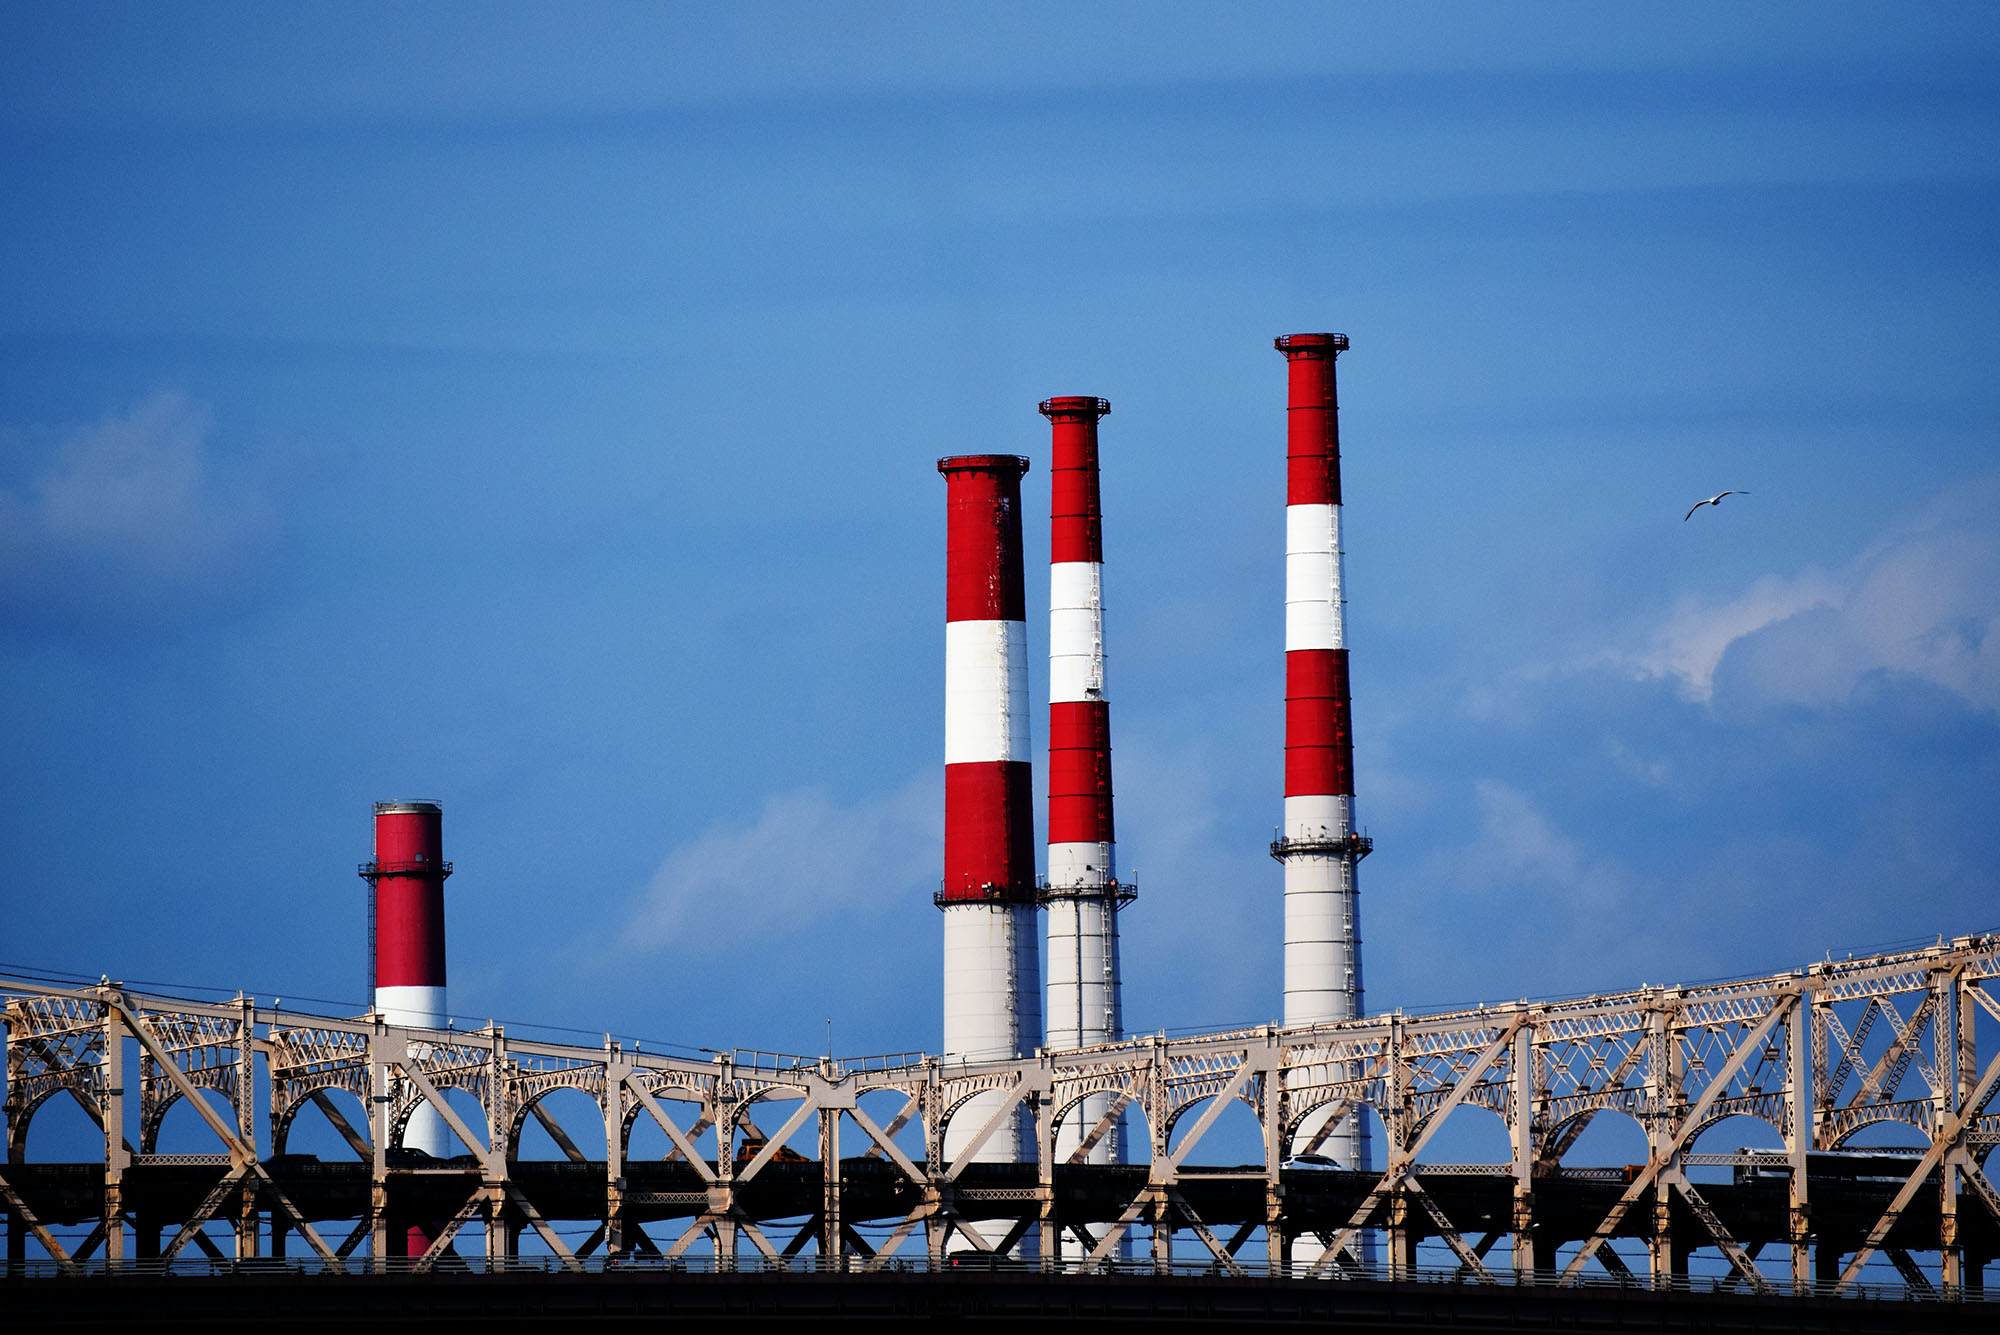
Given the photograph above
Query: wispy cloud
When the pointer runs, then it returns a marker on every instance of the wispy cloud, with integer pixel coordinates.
(1922, 600)
(1518, 840)
(806, 859)
(126, 521)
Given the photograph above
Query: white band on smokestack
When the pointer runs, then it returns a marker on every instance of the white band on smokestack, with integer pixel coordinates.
(1315, 616)
(985, 691)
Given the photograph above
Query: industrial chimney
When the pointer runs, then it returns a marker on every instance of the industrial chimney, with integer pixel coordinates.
(1318, 843)
(1083, 893)
(992, 975)
(406, 922)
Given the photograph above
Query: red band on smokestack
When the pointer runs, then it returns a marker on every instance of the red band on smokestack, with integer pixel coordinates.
(1312, 422)
(1080, 773)
(1078, 530)
(1319, 743)
(408, 872)
(983, 520)
(989, 831)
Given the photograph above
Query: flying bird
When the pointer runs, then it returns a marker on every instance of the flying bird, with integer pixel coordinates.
(1710, 501)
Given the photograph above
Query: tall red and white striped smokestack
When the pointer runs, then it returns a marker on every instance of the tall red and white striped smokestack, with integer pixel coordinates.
(992, 974)
(406, 882)
(1318, 844)
(1083, 894)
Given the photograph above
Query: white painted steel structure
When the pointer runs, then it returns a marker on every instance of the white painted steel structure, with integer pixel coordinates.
(1820, 1059)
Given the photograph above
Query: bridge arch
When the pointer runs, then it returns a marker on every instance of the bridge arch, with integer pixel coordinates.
(518, 1124)
(286, 1120)
(1613, 1134)
(1237, 1133)
(666, 1089)
(1737, 1127)
(17, 1132)
(1890, 1119)
(219, 1102)
(1471, 1133)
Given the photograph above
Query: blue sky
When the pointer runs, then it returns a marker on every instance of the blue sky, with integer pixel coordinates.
(534, 408)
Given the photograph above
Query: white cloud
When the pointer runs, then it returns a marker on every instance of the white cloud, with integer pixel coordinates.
(125, 518)
(1698, 632)
(1517, 839)
(1923, 600)
(806, 859)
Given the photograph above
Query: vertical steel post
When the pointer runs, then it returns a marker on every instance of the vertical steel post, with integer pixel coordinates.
(382, 1113)
(833, 1243)
(116, 1158)
(1661, 1100)
(246, 1122)
(1271, 1117)
(1396, 1129)
(1798, 1137)
(1522, 1131)
(616, 1068)
(1944, 1102)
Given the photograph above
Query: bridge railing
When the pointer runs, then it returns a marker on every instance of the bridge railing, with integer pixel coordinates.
(1887, 1287)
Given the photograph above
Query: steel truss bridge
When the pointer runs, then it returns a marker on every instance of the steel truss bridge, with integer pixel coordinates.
(1820, 1055)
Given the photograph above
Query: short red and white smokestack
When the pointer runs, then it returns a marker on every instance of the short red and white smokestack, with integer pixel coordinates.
(406, 886)
(992, 975)
(1318, 844)
(1083, 893)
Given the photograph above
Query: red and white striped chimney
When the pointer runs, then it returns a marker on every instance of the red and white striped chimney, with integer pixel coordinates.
(992, 974)
(1318, 844)
(406, 888)
(1083, 893)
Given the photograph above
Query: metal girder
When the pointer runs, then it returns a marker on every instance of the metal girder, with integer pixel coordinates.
(1818, 1054)
(1656, 1162)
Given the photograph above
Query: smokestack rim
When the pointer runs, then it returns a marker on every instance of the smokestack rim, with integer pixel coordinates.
(1288, 343)
(1003, 464)
(410, 806)
(1074, 405)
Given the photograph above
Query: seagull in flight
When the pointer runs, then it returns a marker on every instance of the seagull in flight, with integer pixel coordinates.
(1710, 501)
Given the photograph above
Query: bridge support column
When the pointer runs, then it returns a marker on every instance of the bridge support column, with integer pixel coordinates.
(1661, 1244)
(833, 1246)
(722, 1192)
(1952, 1036)
(1664, 1106)
(1521, 1130)
(1402, 1239)
(1048, 1230)
(503, 1237)
(247, 1221)
(245, 1098)
(382, 1120)
(116, 1157)
(1799, 1138)
(615, 1071)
